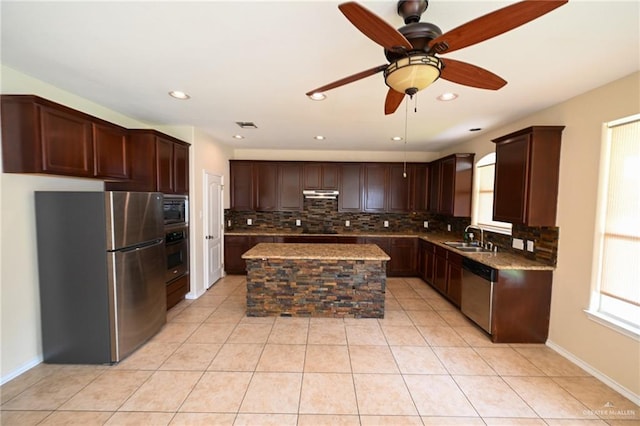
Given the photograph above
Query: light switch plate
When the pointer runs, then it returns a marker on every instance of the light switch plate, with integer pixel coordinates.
(386, 223)
(449, 227)
(298, 223)
(425, 224)
(517, 243)
(347, 223)
(249, 222)
(530, 246)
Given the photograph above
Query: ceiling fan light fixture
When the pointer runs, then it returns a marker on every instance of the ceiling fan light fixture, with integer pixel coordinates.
(413, 73)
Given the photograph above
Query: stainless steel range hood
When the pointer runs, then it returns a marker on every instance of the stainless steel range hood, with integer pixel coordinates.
(327, 194)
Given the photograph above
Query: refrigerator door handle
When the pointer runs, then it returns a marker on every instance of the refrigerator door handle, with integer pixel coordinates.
(142, 246)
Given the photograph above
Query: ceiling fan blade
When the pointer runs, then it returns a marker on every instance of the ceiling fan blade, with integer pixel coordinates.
(493, 24)
(470, 75)
(393, 101)
(374, 27)
(350, 79)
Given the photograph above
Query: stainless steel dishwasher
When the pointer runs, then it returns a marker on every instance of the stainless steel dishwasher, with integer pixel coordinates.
(477, 292)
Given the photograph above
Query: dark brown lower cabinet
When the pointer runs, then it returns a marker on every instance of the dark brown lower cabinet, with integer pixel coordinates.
(454, 277)
(235, 246)
(404, 256)
(440, 270)
(521, 306)
(176, 290)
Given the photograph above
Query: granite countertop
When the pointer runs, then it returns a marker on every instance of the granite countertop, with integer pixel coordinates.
(316, 251)
(499, 260)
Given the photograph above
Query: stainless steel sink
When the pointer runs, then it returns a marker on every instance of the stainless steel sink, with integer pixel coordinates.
(466, 247)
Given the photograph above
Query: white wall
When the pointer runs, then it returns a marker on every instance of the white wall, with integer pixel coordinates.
(212, 157)
(20, 347)
(609, 354)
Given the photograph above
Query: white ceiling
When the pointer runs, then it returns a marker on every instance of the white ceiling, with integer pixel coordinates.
(254, 61)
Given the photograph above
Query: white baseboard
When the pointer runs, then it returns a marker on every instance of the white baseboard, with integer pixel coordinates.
(24, 367)
(596, 373)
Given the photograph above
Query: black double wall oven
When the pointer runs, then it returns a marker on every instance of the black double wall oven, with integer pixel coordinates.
(176, 228)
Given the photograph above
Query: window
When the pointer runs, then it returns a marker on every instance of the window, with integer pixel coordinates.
(616, 294)
(483, 207)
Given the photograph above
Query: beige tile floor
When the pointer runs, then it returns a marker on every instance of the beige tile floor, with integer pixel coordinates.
(423, 364)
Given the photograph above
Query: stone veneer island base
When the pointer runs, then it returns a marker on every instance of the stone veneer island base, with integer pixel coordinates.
(316, 280)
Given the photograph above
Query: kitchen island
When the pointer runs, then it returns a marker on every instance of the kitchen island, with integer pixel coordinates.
(316, 280)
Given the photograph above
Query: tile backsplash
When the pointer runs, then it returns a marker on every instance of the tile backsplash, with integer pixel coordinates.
(322, 216)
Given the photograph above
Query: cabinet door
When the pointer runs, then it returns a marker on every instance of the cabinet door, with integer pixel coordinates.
(419, 188)
(290, 187)
(434, 186)
(398, 189)
(430, 263)
(440, 270)
(67, 146)
(375, 187)
(164, 166)
(241, 180)
(454, 277)
(266, 185)
(447, 186)
(510, 180)
(180, 168)
(142, 149)
(403, 253)
(350, 198)
(329, 176)
(312, 176)
(110, 145)
(234, 248)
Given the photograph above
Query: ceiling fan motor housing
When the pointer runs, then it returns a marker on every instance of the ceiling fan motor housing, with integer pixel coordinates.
(419, 34)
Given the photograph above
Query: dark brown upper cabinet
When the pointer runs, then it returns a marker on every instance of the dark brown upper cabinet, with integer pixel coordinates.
(266, 185)
(386, 188)
(526, 176)
(320, 176)
(40, 136)
(158, 162)
(290, 187)
(418, 187)
(376, 187)
(241, 179)
(451, 181)
(350, 187)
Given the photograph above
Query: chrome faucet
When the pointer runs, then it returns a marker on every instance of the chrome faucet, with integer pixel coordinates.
(481, 233)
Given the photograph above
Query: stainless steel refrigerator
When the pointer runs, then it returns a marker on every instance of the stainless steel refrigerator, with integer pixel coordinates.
(101, 263)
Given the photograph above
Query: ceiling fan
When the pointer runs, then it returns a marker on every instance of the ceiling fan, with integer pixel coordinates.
(412, 50)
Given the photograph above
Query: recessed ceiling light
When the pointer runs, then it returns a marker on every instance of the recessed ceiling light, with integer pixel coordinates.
(238, 137)
(475, 129)
(318, 96)
(179, 95)
(396, 138)
(447, 96)
(319, 138)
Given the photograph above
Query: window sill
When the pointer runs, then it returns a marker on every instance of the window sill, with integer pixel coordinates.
(614, 324)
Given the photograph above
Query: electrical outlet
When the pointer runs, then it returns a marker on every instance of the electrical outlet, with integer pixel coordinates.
(386, 223)
(347, 223)
(229, 223)
(249, 221)
(425, 224)
(298, 223)
(530, 246)
(517, 243)
(448, 227)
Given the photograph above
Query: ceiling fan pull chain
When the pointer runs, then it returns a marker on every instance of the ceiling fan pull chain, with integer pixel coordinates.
(415, 105)
(406, 115)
